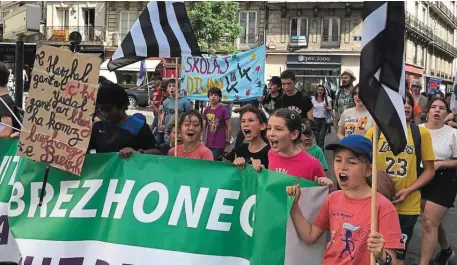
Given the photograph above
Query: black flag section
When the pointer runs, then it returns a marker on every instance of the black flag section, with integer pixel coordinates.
(162, 30)
(382, 73)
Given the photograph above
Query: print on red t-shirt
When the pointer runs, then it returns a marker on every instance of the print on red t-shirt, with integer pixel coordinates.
(301, 165)
(157, 96)
(348, 221)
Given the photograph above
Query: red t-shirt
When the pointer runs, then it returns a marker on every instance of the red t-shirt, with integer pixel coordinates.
(348, 221)
(301, 165)
(157, 96)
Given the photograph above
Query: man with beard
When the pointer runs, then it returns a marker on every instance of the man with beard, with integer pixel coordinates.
(344, 99)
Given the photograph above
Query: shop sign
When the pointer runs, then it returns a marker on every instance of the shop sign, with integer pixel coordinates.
(316, 59)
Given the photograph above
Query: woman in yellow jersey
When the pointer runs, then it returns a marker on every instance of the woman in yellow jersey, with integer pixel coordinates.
(439, 194)
(404, 172)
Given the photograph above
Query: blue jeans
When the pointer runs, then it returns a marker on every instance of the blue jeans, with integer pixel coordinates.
(217, 153)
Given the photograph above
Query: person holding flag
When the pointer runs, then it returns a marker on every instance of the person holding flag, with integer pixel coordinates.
(344, 99)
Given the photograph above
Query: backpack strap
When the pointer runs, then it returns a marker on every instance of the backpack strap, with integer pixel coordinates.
(415, 131)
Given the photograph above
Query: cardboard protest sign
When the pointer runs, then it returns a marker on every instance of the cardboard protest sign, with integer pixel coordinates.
(59, 108)
(240, 77)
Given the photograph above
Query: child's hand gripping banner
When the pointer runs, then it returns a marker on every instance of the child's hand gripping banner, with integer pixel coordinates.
(241, 77)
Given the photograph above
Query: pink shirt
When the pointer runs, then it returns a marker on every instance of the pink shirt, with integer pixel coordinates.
(348, 221)
(301, 165)
(201, 152)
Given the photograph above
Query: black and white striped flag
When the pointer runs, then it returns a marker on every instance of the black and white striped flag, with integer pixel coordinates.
(382, 69)
(162, 30)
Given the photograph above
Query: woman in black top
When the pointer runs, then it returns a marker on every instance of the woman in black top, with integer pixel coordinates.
(253, 127)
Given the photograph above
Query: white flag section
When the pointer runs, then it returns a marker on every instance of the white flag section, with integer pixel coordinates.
(9, 251)
(297, 252)
(454, 96)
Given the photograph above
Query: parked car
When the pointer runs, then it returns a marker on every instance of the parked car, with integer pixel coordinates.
(139, 96)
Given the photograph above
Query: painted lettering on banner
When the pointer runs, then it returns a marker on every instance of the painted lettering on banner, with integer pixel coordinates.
(240, 77)
(59, 108)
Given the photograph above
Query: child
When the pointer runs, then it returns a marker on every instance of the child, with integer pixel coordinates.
(164, 148)
(191, 127)
(169, 106)
(346, 213)
(216, 124)
(308, 145)
(286, 155)
(253, 126)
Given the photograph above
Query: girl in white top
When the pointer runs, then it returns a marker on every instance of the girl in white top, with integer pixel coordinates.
(322, 106)
(439, 194)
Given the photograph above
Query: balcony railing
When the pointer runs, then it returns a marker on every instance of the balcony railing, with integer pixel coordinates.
(330, 41)
(445, 10)
(249, 41)
(444, 45)
(414, 24)
(61, 34)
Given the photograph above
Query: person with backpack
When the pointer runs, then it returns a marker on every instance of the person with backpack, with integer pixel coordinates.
(344, 99)
(405, 171)
(7, 107)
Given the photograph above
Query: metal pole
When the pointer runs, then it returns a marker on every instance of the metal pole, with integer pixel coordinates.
(19, 70)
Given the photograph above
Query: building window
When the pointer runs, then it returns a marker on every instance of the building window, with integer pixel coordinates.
(248, 21)
(63, 17)
(299, 27)
(127, 21)
(330, 29)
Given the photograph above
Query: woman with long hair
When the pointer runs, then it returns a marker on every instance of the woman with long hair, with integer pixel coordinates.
(322, 107)
(356, 120)
(439, 194)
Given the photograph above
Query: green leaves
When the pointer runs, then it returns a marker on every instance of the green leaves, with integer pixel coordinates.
(215, 25)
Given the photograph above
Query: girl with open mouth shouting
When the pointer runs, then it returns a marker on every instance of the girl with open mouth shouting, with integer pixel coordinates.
(253, 126)
(286, 155)
(191, 128)
(346, 213)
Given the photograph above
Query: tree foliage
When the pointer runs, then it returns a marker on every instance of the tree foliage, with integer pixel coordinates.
(215, 24)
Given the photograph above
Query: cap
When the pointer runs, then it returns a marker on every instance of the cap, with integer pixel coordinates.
(417, 83)
(356, 143)
(275, 80)
(349, 73)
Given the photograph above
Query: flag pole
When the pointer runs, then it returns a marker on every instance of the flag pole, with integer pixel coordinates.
(176, 108)
(374, 186)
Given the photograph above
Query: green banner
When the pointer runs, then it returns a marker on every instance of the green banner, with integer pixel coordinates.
(170, 210)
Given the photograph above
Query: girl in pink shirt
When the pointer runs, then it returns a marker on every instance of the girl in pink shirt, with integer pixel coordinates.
(286, 156)
(191, 125)
(346, 213)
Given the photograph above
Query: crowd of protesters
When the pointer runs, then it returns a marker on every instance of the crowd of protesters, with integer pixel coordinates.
(284, 131)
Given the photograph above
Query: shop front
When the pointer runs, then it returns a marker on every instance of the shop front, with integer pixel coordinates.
(414, 73)
(432, 83)
(313, 70)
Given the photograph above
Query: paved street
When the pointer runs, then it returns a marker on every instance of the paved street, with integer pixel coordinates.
(415, 245)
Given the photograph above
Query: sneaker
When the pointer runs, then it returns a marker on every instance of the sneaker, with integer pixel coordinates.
(444, 256)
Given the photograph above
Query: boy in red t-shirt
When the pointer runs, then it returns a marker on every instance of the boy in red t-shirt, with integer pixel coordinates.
(346, 213)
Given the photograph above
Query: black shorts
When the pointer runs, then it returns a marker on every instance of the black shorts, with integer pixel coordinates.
(442, 189)
(407, 223)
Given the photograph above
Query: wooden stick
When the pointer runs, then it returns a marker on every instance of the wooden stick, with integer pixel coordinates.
(374, 186)
(176, 108)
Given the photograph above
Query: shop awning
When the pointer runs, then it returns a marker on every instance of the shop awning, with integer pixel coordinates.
(135, 67)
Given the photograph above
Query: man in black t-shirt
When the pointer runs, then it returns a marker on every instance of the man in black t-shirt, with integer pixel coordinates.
(6, 117)
(118, 132)
(293, 99)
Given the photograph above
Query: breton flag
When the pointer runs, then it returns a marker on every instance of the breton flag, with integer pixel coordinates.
(382, 69)
(162, 30)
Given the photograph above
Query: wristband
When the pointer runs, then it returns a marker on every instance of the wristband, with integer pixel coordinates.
(388, 260)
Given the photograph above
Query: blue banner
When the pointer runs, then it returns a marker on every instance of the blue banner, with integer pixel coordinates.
(240, 77)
